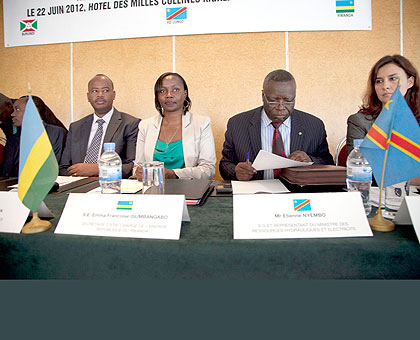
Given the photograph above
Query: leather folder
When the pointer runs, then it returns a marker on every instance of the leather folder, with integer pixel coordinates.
(315, 174)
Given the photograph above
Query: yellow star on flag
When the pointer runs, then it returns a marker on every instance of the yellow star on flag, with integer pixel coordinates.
(387, 104)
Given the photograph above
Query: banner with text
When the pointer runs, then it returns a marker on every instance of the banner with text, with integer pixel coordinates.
(28, 22)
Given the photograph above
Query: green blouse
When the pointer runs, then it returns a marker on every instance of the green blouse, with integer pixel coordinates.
(172, 154)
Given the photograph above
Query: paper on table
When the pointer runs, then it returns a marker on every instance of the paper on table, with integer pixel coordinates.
(266, 161)
(61, 180)
(128, 186)
(266, 186)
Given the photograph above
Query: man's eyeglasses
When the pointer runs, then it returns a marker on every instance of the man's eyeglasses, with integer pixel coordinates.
(277, 103)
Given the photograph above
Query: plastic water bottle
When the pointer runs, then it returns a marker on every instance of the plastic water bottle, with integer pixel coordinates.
(110, 172)
(359, 174)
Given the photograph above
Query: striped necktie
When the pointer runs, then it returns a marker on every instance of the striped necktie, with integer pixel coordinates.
(92, 153)
(278, 147)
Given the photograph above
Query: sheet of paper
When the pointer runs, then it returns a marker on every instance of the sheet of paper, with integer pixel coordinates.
(266, 186)
(128, 186)
(13, 213)
(409, 213)
(61, 180)
(306, 215)
(119, 215)
(266, 161)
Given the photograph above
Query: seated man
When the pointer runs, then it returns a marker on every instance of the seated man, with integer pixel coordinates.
(87, 135)
(275, 127)
(56, 135)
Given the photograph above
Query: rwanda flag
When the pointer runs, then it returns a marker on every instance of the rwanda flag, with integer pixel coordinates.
(38, 166)
(344, 6)
(397, 130)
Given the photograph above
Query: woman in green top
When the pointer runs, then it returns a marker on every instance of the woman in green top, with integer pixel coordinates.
(183, 141)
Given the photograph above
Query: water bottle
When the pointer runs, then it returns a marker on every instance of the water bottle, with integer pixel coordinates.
(359, 174)
(110, 170)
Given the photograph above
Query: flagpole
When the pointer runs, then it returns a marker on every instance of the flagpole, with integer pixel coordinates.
(378, 222)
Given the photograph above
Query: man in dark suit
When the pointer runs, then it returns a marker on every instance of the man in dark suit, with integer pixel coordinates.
(106, 124)
(301, 135)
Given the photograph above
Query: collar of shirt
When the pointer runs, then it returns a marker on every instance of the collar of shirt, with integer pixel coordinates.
(267, 121)
(106, 117)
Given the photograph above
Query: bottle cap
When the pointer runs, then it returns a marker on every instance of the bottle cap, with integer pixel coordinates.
(109, 146)
(357, 142)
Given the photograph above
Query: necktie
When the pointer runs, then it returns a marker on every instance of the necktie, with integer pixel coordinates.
(93, 152)
(278, 147)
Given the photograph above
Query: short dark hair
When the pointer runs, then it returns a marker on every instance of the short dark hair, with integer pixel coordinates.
(102, 75)
(158, 85)
(371, 103)
(280, 76)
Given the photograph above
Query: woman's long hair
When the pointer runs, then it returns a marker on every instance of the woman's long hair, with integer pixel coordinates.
(371, 103)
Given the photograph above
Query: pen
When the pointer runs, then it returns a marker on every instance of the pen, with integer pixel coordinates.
(247, 157)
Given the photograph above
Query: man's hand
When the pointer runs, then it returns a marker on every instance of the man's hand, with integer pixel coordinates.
(244, 171)
(139, 173)
(299, 156)
(84, 170)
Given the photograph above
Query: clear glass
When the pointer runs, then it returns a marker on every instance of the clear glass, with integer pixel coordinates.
(153, 178)
(394, 195)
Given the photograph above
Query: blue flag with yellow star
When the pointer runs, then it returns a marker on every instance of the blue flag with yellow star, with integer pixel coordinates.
(396, 130)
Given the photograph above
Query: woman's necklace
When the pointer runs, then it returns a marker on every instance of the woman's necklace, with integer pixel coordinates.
(167, 143)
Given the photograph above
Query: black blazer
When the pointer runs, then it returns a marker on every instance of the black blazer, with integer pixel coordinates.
(122, 130)
(10, 166)
(243, 135)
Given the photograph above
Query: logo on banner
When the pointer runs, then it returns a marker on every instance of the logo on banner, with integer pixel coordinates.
(344, 8)
(302, 205)
(176, 15)
(28, 27)
(125, 205)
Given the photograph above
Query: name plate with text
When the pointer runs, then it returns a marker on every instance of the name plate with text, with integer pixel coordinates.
(13, 213)
(310, 215)
(120, 215)
(409, 213)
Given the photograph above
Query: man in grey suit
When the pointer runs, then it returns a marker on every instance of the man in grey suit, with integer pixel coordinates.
(86, 136)
(301, 135)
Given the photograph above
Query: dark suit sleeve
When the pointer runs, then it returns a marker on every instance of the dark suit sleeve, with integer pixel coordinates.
(229, 160)
(66, 160)
(57, 137)
(130, 137)
(322, 154)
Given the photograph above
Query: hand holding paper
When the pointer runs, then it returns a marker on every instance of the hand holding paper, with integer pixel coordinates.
(266, 160)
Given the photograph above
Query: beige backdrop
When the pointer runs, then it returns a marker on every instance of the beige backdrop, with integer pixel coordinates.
(224, 72)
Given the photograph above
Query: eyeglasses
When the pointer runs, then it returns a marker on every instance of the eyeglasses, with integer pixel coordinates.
(277, 103)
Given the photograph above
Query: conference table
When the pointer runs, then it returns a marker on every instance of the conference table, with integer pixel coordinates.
(206, 250)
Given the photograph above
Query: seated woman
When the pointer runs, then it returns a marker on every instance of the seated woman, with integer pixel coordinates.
(383, 80)
(183, 141)
(56, 134)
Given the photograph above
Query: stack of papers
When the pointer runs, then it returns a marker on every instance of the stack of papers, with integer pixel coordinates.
(267, 186)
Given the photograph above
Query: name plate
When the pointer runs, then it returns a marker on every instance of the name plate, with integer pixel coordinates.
(311, 215)
(138, 216)
(13, 213)
(409, 213)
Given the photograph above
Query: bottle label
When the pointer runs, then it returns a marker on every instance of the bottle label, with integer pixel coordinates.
(359, 174)
(107, 173)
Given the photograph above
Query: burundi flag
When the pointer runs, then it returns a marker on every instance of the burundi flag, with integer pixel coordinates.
(397, 130)
(38, 166)
(344, 6)
(28, 25)
(176, 13)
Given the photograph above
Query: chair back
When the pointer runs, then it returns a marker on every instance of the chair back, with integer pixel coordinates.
(340, 155)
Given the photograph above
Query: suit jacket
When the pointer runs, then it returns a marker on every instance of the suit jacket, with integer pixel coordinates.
(10, 168)
(358, 125)
(243, 135)
(197, 144)
(122, 130)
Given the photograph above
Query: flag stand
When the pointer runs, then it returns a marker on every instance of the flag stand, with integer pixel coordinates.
(36, 225)
(378, 222)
